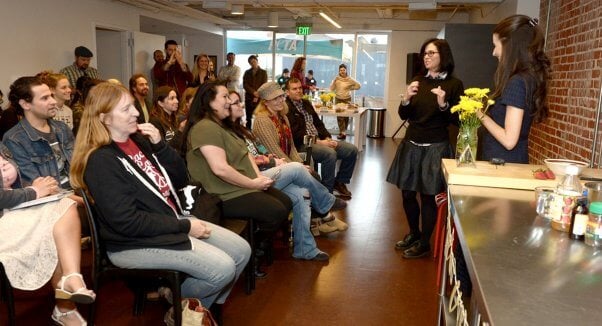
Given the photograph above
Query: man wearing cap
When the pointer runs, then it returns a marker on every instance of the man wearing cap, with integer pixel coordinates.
(230, 73)
(251, 81)
(81, 66)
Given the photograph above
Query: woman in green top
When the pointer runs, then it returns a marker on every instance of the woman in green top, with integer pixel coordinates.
(221, 162)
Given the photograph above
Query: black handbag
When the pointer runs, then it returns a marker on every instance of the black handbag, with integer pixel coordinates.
(201, 204)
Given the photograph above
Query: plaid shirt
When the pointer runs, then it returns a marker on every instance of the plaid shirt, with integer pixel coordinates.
(309, 120)
(73, 73)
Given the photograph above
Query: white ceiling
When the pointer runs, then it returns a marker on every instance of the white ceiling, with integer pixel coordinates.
(352, 15)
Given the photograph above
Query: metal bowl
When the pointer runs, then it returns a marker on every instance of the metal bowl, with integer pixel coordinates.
(558, 166)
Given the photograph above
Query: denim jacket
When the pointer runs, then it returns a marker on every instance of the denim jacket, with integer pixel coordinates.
(33, 153)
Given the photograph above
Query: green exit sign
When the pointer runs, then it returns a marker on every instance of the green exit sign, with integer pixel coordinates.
(303, 30)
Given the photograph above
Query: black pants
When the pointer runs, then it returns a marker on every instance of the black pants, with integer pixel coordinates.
(428, 210)
(249, 109)
(267, 208)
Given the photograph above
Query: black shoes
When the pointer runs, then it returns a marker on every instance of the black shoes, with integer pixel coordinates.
(341, 188)
(321, 256)
(417, 251)
(408, 241)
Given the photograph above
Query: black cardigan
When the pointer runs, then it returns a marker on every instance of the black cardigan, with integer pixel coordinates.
(129, 213)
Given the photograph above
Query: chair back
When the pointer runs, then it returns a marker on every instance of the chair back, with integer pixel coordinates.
(99, 253)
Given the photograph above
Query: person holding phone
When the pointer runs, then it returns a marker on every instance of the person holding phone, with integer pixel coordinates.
(295, 180)
(173, 72)
(221, 162)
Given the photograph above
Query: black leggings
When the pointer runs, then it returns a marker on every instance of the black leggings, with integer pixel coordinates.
(428, 210)
(267, 208)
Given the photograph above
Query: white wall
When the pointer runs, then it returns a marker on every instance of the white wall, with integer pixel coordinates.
(41, 35)
(492, 14)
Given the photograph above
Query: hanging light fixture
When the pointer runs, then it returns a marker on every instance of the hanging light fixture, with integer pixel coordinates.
(238, 9)
(273, 19)
(330, 20)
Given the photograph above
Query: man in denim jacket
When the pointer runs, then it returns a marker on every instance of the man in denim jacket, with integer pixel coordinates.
(41, 146)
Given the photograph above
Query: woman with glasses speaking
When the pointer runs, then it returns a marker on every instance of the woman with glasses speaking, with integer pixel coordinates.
(417, 164)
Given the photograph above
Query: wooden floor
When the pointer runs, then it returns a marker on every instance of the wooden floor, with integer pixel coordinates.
(365, 283)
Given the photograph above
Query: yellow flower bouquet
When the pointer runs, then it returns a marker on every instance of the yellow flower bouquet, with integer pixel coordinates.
(473, 100)
(326, 97)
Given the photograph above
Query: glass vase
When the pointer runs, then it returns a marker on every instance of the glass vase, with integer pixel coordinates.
(466, 147)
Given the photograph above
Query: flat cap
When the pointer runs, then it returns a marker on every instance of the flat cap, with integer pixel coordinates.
(82, 51)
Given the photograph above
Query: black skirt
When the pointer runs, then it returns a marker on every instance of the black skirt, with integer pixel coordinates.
(418, 168)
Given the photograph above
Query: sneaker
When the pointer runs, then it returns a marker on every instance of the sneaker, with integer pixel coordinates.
(340, 225)
(341, 188)
(326, 228)
(338, 204)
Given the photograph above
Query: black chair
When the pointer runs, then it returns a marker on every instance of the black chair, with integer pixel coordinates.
(6, 295)
(244, 228)
(137, 278)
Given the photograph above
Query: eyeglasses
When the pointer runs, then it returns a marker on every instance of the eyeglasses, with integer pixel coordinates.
(429, 54)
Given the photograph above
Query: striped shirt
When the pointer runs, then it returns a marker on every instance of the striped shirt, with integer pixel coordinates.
(73, 73)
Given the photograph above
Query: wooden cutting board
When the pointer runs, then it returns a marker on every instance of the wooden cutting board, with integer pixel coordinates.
(510, 175)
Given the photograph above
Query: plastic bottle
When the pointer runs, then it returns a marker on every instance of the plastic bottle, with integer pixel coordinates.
(568, 191)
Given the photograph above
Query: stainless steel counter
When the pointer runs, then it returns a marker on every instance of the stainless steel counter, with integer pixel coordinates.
(524, 272)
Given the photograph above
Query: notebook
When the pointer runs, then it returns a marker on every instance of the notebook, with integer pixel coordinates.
(43, 200)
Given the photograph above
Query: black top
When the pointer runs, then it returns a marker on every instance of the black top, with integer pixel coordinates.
(130, 214)
(427, 123)
(515, 94)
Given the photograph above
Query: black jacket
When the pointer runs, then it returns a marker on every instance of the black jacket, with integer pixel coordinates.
(297, 121)
(131, 214)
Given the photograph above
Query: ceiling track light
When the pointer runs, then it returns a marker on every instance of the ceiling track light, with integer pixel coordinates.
(273, 19)
(238, 9)
(330, 20)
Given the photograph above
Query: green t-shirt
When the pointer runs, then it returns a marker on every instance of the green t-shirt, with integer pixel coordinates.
(208, 132)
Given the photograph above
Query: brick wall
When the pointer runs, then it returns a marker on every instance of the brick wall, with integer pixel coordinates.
(574, 45)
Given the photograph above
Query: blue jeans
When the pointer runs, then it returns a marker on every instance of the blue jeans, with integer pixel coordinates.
(296, 181)
(346, 152)
(214, 264)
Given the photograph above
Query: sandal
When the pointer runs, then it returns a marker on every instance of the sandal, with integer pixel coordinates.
(81, 295)
(57, 316)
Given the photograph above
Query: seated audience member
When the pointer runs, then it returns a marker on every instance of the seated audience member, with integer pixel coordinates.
(185, 102)
(221, 162)
(163, 115)
(295, 181)
(8, 117)
(42, 242)
(283, 78)
(61, 90)
(132, 176)
(305, 121)
(83, 86)
(271, 124)
(139, 90)
(41, 146)
(81, 66)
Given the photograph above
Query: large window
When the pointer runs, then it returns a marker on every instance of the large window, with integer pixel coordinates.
(363, 54)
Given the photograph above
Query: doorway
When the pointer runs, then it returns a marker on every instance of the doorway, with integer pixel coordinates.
(111, 54)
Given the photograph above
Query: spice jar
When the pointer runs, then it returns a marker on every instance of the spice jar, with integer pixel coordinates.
(593, 230)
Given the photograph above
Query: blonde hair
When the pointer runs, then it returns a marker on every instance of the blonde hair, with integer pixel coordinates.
(93, 133)
(196, 70)
(261, 108)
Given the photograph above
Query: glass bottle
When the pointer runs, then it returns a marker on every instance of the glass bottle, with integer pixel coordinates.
(593, 231)
(579, 220)
(567, 193)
